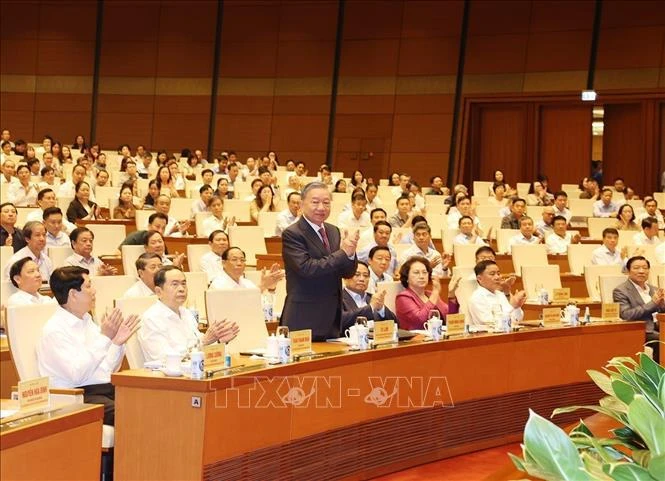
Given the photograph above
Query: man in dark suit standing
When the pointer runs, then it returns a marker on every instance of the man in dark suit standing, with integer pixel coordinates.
(316, 258)
(357, 302)
(639, 301)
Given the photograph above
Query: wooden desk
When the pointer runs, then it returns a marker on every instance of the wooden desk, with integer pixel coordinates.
(532, 311)
(368, 413)
(65, 444)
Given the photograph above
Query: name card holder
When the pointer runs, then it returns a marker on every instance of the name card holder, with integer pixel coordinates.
(610, 312)
(561, 296)
(301, 342)
(384, 332)
(552, 317)
(455, 325)
(213, 355)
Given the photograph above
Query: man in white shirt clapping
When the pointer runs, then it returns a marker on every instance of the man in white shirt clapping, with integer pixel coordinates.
(488, 301)
(74, 351)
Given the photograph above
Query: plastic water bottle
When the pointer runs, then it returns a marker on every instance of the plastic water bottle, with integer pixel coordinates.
(268, 301)
(284, 349)
(195, 312)
(544, 297)
(575, 317)
(587, 315)
(272, 348)
(507, 322)
(197, 363)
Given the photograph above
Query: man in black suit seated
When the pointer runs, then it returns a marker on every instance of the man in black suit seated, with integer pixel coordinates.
(316, 258)
(639, 301)
(357, 302)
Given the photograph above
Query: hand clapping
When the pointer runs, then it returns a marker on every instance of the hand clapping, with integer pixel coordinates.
(350, 242)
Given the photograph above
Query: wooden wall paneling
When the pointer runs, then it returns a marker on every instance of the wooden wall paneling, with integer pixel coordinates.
(624, 147)
(661, 137)
(564, 138)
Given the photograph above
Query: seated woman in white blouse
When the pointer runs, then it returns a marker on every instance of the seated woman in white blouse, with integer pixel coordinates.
(216, 221)
(26, 277)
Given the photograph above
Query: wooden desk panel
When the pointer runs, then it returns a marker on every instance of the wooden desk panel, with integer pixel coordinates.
(63, 445)
(246, 429)
(8, 375)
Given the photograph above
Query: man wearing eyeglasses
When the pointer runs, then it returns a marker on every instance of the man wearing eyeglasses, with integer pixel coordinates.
(233, 274)
(316, 258)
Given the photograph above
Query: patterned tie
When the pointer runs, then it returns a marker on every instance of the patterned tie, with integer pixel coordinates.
(324, 236)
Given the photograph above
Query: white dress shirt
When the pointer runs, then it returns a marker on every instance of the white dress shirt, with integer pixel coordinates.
(563, 213)
(430, 255)
(644, 293)
(660, 253)
(211, 264)
(641, 239)
(22, 298)
(519, 239)
(602, 210)
(138, 289)
(44, 263)
(463, 239)
(657, 215)
(211, 224)
(68, 190)
(346, 220)
(92, 263)
(12, 180)
(163, 331)
(363, 255)
(544, 229)
(38, 216)
(73, 352)
(374, 280)
(224, 281)
(22, 196)
(170, 227)
(483, 301)
(199, 206)
(284, 219)
(558, 245)
(455, 216)
(61, 240)
(603, 257)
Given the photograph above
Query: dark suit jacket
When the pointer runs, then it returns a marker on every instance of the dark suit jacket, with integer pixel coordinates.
(632, 307)
(314, 280)
(76, 210)
(350, 311)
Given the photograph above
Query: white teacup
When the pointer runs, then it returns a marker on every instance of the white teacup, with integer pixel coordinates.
(173, 362)
(435, 328)
(352, 334)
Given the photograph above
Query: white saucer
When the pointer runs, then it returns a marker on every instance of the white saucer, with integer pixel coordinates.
(170, 373)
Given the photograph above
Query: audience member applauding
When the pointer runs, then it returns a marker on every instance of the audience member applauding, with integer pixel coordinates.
(608, 254)
(125, 208)
(168, 327)
(25, 276)
(517, 209)
(626, 218)
(82, 208)
(9, 234)
(23, 193)
(499, 198)
(639, 301)
(526, 236)
(67, 190)
(173, 228)
(379, 261)
(156, 222)
(55, 232)
(211, 262)
(82, 240)
(357, 217)
(538, 195)
(73, 351)
(560, 239)
(463, 208)
(413, 305)
(201, 205)
(147, 266)
(382, 231)
(216, 221)
(649, 234)
(45, 199)
(264, 202)
(233, 273)
(422, 236)
(605, 207)
(560, 201)
(545, 226)
(404, 214)
(289, 215)
(468, 232)
(356, 301)
(489, 301)
(35, 237)
(651, 210)
(153, 193)
(154, 244)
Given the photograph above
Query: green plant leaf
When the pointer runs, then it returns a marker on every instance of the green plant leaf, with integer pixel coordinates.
(647, 421)
(601, 380)
(627, 472)
(623, 391)
(594, 467)
(661, 392)
(581, 428)
(614, 404)
(517, 461)
(619, 417)
(651, 368)
(552, 450)
(657, 467)
(641, 456)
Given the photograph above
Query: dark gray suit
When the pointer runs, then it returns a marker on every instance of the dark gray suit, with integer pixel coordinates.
(350, 311)
(314, 280)
(633, 308)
